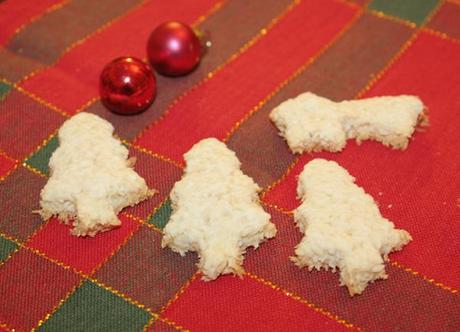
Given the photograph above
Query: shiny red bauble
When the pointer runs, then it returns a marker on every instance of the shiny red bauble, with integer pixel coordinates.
(127, 85)
(173, 49)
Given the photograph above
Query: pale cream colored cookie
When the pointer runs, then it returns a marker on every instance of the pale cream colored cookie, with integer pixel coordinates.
(91, 177)
(216, 211)
(313, 123)
(343, 227)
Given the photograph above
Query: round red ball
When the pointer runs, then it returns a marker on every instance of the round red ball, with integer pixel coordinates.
(173, 49)
(127, 85)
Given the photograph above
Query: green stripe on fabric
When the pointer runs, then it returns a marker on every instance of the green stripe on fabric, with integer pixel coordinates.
(40, 159)
(92, 308)
(6, 248)
(161, 217)
(4, 89)
(413, 10)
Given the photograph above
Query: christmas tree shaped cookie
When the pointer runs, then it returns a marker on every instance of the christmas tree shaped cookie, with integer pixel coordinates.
(313, 123)
(91, 177)
(216, 211)
(343, 227)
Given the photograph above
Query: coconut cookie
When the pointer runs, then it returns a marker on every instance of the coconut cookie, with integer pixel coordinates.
(91, 177)
(313, 123)
(216, 211)
(343, 227)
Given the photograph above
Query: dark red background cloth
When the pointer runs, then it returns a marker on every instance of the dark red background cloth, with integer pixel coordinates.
(263, 52)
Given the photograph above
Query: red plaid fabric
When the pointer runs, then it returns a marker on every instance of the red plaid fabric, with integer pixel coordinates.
(263, 53)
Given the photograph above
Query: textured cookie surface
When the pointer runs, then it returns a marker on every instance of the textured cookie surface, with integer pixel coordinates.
(343, 227)
(216, 211)
(313, 123)
(91, 177)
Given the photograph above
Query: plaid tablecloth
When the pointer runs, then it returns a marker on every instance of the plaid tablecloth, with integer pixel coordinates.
(264, 51)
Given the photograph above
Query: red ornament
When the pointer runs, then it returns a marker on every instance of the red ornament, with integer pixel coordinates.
(127, 85)
(173, 49)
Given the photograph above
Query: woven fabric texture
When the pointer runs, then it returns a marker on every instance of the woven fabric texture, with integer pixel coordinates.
(263, 52)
